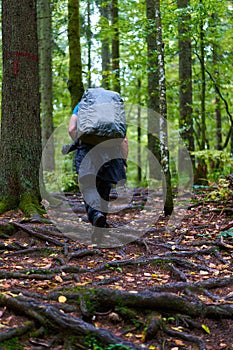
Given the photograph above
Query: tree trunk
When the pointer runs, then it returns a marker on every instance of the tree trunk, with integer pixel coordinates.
(20, 125)
(75, 84)
(89, 35)
(185, 78)
(231, 150)
(153, 91)
(45, 54)
(115, 48)
(201, 169)
(139, 156)
(168, 205)
(203, 85)
(105, 49)
(218, 116)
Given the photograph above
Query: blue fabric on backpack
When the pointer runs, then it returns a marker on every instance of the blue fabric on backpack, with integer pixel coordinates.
(75, 110)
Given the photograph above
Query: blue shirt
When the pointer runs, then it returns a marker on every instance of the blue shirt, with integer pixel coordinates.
(75, 110)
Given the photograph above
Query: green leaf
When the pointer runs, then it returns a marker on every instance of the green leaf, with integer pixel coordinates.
(206, 328)
(227, 233)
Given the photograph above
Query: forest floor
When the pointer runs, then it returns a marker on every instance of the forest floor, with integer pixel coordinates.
(166, 290)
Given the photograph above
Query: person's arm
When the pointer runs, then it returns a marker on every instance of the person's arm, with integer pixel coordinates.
(73, 127)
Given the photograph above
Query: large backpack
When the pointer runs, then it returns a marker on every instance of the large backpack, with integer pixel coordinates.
(101, 116)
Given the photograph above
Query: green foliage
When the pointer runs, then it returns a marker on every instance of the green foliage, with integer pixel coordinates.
(60, 63)
(65, 182)
(221, 191)
(219, 163)
(92, 343)
(118, 346)
(12, 344)
(134, 28)
(226, 234)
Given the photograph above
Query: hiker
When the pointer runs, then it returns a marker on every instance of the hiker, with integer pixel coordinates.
(98, 168)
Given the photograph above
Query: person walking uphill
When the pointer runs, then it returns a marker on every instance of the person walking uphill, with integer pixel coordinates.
(98, 128)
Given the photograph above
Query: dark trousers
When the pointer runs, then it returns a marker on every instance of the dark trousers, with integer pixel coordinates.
(96, 194)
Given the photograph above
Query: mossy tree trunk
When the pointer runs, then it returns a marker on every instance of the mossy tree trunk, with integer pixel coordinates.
(75, 84)
(185, 78)
(105, 42)
(168, 201)
(20, 124)
(201, 166)
(153, 91)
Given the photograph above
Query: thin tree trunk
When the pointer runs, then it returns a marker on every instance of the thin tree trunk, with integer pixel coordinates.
(89, 35)
(45, 54)
(218, 116)
(168, 205)
(115, 47)
(139, 161)
(203, 87)
(75, 84)
(201, 170)
(153, 92)
(105, 49)
(185, 78)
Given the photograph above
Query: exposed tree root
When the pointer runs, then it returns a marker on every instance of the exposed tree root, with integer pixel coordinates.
(51, 316)
(17, 332)
(36, 234)
(104, 298)
(159, 291)
(188, 337)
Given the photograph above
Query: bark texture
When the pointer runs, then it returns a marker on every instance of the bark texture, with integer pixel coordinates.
(75, 84)
(20, 125)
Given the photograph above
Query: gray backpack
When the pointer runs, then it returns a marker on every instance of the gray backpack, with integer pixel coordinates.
(101, 116)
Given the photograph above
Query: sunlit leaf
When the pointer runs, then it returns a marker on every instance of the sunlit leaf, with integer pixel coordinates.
(179, 342)
(129, 335)
(58, 279)
(62, 299)
(206, 328)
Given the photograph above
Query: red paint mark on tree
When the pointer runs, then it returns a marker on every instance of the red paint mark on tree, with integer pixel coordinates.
(16, 61)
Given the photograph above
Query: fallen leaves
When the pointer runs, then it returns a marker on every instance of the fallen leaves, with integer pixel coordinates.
(184, 248)
(62, 299)
(206, 328)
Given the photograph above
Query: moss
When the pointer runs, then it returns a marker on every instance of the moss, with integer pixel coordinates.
(7, 229)
(126, 312)
(12, 344)
(8, 203)
(30, 205)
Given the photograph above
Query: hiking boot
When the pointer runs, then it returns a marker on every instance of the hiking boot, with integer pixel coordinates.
(99, 220)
